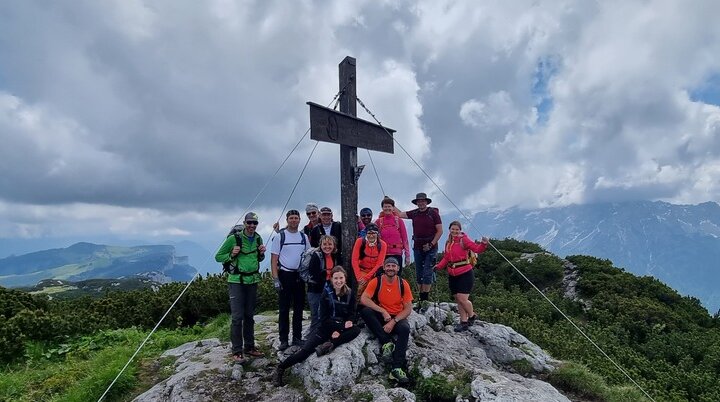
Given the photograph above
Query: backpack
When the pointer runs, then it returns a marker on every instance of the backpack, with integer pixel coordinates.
(379, 285)
(329, 291)
(304, 268)
(282, 239)
(471, 255)
(382, 221)
(231, 268)
(364, 243)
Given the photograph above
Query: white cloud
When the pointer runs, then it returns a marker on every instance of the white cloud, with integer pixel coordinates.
(169, 117)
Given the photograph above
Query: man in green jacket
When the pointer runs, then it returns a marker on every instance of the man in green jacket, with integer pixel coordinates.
(241, 254)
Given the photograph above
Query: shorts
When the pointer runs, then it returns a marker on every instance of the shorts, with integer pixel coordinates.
(461, 283)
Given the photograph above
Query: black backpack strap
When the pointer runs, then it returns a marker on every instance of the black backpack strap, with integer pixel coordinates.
(362, 249)
(377, 290)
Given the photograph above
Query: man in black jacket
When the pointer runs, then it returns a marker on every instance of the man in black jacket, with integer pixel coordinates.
(329, 227)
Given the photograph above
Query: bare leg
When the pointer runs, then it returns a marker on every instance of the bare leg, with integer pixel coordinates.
(464, 306)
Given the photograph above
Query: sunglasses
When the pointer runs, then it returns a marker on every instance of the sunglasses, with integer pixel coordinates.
(366, 215)
(254, 223)
(312, 213)
(372, 232)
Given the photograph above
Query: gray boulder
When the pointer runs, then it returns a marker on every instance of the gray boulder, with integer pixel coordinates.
(483, 359)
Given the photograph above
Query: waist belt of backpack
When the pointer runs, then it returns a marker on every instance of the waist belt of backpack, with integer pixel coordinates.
(249, 273)
(459, 263)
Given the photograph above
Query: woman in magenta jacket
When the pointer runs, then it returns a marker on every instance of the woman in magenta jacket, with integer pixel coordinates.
(460, 272)
(394, 233)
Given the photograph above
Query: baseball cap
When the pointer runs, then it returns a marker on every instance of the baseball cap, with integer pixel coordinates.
(325, 210)
(251, 216)
(391, 260)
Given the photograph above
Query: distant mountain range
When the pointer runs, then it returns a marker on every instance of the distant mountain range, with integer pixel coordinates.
(82, 261)
(677, 244)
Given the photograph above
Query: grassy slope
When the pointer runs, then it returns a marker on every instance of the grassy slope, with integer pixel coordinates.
(81, 370)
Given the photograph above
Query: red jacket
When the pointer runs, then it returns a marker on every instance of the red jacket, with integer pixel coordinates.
(367, 267)
(457, 251)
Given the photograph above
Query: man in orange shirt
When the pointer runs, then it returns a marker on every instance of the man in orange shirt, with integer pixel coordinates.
(388, 303)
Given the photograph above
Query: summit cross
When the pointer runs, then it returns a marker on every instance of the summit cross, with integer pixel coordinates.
(351, 133)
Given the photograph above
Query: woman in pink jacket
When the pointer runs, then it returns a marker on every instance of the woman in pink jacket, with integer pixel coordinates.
(460, 272)
(393, 232)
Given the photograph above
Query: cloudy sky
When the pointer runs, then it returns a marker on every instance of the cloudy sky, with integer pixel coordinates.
(164, 119)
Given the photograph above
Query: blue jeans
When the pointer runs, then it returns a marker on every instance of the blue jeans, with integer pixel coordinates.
(314, 302)
(424, 262)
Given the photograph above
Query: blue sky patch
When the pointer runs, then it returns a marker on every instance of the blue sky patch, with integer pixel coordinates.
(708, 91)
(546, 68)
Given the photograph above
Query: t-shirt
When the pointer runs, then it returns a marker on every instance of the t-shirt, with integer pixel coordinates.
(291, 251)
(423, 223)
(389, 296)
(329, 265)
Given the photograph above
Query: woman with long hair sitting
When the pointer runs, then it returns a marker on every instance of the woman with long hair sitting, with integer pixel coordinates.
(337, 308)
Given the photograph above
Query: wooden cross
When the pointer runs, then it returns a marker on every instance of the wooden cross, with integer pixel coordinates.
(351, 133)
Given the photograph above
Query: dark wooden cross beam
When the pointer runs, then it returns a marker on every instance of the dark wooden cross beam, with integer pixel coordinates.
(351, 133)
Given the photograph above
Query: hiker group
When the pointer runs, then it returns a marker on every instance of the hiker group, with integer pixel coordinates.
(306, 264)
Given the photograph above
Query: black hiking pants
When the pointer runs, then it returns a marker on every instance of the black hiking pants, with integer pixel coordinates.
(292, 295)
(314, 340)
(375, 322)
(243, 299)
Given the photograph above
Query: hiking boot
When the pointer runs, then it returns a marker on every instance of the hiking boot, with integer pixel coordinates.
(463, 326)
(238, 358)
(324, 349)
(298, 342)
(387, 351)
(277, 376)
(254, 352)
(398, 374)
(283, 345)
(471, 320)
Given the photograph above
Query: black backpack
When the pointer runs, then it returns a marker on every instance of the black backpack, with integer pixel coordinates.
(231, 268)
(362, 248)
(379, 284)
(282, 239)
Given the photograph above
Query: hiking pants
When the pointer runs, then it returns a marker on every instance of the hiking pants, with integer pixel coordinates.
(375, 322)
(424, 262)
(314, 303)
(243, 299)
(316, 339)
(291, 294)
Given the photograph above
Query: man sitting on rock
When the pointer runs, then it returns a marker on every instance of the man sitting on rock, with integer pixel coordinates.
(388, 302)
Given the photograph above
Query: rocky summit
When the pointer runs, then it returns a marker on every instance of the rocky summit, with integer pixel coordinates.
(490, 362)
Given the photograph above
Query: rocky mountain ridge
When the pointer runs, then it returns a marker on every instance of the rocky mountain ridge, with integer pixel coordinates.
(484, 363)
(677, 244)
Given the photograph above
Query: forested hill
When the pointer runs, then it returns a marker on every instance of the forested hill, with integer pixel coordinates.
(83, 261)
(668, 343)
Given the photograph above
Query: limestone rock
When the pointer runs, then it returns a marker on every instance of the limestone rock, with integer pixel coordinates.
(483, 356)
